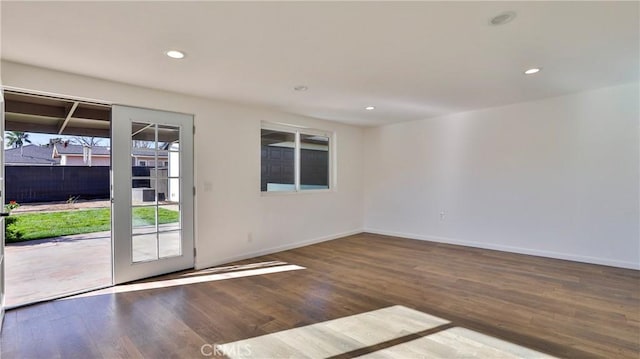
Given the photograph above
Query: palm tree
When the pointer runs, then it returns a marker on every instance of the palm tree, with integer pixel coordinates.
(16, 139)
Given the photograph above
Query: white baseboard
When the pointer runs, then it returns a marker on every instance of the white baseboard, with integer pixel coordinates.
(520, 250)
(276, 249)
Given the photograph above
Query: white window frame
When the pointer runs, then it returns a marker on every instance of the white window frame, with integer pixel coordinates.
(300, 130)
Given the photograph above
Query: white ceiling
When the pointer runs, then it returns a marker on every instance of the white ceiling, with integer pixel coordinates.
(411, 60)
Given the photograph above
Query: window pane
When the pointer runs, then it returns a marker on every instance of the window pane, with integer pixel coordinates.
(169, 217)
(169, 244)
(162, 187)
(143, 191)
(173, 190)
(314, 162)
(143, 135)
(168, 138)
(171, 163)
(145, 247)
(143, 220)
(277, 161)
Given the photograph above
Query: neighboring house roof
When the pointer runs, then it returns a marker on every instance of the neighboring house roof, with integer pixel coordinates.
(61, 149)
(31, 155)
(50, 155)
(70, 149)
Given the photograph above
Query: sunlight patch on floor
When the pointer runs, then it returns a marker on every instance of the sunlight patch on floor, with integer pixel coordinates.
(456, 343)
(237, 267)
(380, 334)
(336, 336)
(195, 278)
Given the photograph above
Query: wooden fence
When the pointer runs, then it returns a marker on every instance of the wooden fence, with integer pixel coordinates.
(29, 184)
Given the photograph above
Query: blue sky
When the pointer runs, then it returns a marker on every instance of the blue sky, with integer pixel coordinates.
(43, 139)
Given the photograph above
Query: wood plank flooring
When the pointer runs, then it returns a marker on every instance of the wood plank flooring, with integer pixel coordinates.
(335, 337)
(561, 308)
(456, 343)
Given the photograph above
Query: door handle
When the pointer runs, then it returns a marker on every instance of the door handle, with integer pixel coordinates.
(4, 214)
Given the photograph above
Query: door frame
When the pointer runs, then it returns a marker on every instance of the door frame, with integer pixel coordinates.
(55, 96)
(116, 194)
(2, 221)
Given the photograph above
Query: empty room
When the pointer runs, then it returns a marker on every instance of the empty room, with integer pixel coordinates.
(320, 179)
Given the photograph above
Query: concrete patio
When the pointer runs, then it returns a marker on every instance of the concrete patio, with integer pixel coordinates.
(48, 268)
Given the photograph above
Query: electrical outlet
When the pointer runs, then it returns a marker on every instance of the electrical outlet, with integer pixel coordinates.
(442, 215)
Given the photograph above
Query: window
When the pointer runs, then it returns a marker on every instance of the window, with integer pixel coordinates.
(294, 159)
(142, 163)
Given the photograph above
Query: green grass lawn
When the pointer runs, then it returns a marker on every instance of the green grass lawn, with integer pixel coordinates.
(30, 226)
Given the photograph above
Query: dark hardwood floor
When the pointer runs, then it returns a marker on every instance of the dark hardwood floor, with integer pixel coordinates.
(562, 308)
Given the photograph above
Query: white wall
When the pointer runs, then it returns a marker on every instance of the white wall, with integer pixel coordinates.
(557, 177)
(233, 220)
(66, 160)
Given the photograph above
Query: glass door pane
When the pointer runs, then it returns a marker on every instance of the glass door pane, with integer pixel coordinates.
(155, 201)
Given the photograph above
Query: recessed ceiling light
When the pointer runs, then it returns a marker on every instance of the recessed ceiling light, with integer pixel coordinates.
(370, 108)
(502, 18)
(301, 88)
(175, 54)
(533, 70)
